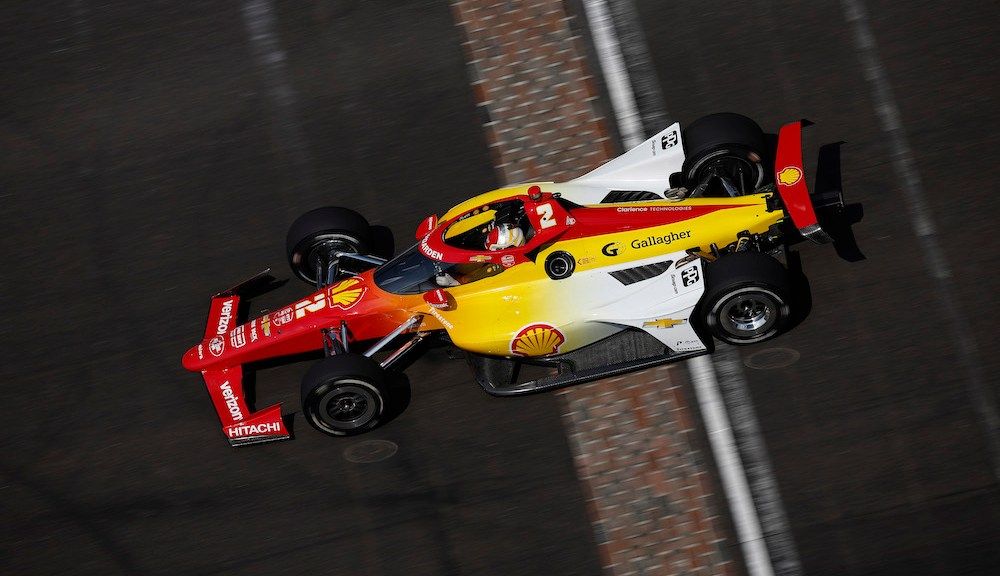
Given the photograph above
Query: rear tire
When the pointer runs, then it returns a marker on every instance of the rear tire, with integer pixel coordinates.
(322, 229)
(747, 299)
(344, 395)
(729, 144)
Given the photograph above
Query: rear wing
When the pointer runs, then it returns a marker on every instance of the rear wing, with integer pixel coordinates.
(790, 178)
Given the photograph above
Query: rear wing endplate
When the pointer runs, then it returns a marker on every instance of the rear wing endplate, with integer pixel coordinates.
(790, 178)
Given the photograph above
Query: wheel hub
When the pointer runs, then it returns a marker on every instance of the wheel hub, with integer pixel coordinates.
(748, 315)
(348, 405)
(737, 173)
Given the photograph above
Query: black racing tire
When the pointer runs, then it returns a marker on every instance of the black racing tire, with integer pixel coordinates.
(344, 395)
(747, 298)
(341, 228)
(383, 241)
(729, 143)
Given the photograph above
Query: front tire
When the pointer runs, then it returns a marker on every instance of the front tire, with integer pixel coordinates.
(747, 299)
(344, 395)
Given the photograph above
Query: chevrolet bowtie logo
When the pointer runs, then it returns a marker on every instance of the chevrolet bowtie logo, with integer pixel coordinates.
(663, 323)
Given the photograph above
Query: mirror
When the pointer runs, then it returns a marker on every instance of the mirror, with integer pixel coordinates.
(426, 226)
(439, 299)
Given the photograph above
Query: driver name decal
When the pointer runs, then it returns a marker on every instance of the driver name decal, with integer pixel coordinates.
(428, 251)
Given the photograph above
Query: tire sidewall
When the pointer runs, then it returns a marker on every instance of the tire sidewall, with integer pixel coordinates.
(781, 309)
(326, 223)
(312, 405)
(692, 167)
(300, 257)
(730, 133)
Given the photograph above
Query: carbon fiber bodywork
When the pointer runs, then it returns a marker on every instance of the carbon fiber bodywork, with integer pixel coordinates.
(621, 353)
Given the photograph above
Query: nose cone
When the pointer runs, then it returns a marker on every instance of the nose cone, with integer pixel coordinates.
(194, 358)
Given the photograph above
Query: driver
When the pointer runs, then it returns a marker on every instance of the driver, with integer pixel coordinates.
(504, 236)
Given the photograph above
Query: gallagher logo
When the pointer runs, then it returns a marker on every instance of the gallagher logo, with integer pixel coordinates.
(789, 176)
(537, 340)
(610, 249)
(345, 294)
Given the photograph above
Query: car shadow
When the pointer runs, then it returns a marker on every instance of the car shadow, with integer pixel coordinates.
(801, 293)
(836, 218)
(397, 396)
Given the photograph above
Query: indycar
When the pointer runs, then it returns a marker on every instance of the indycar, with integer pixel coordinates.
(645, 260)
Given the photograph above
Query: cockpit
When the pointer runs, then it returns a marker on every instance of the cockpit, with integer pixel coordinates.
(413, 273)
(471, 231)
(479, 243)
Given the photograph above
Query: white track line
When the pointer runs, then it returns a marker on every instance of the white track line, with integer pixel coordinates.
(735, 391)
(258, 17)
(615, 74)
(720, 432)
(727, 458)
(905, 166)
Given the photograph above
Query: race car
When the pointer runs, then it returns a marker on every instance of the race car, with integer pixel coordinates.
(645, 260)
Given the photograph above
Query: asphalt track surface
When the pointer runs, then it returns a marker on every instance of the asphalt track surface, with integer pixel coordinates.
(154, 154)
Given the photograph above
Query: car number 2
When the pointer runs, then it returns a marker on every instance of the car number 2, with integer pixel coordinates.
(544, 212)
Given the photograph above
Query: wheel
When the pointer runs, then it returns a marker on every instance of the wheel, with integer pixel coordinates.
(322, 229)
(726, 145)
(344, 395)
(746, 299)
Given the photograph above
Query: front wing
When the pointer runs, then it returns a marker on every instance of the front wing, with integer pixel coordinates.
(240, 424)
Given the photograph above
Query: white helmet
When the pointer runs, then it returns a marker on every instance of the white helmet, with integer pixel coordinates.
(504, 236)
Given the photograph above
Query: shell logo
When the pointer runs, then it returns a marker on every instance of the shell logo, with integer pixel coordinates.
(347, 293)
(537, 340)
(789, 176)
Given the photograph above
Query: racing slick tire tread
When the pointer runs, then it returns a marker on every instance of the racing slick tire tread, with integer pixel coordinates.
(723, 133)
(329, 220)
(336, 377)
(752, 276)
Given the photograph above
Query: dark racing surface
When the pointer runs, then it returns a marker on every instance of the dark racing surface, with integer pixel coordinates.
(149, 161)
(153, 155)
(880, 453)
(879, 450)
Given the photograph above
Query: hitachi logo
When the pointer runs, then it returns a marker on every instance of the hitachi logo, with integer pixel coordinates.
(232, 401)
(253, 429)
(225, 317)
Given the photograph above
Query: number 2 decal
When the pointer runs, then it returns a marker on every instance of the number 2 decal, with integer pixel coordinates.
(544, 212)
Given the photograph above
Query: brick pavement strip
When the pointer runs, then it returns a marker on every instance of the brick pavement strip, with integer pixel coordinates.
(650, 497)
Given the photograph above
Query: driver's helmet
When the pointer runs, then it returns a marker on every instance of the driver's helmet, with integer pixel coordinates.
(504, 236)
